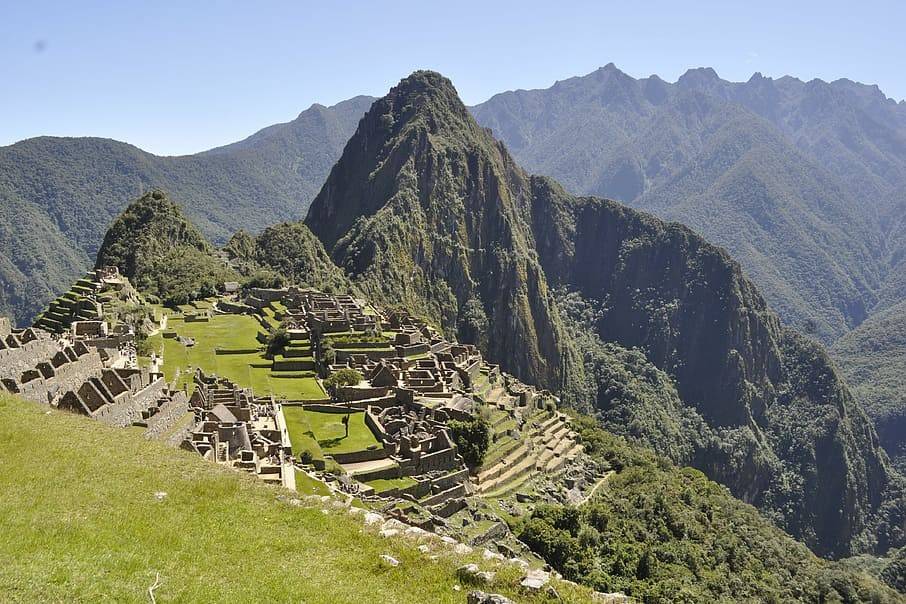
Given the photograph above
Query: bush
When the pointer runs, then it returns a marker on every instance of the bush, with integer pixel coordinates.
(265, 278)
(277, 341)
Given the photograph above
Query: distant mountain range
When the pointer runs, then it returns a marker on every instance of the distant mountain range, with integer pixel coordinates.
(59, 195)
(803, 182)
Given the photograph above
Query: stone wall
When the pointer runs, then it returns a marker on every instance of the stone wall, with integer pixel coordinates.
(167, 415)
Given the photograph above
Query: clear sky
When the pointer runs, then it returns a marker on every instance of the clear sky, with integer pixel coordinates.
(180, 77)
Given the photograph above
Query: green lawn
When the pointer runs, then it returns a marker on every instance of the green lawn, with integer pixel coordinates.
(327, 429)
(300, 433)
(81, 523)
(229, 332)
(382, 484)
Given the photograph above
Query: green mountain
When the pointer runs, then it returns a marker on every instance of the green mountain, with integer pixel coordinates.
(872, 357)
(800, 181)
(425, 208)
(58, 195)
(161, 252)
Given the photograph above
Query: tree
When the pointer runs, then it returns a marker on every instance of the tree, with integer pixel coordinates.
(277, 340)
(472, 438)
(343, 377)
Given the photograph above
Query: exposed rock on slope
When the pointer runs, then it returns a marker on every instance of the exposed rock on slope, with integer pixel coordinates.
(426, 209)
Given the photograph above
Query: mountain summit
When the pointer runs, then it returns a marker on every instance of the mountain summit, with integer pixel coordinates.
(427, 210)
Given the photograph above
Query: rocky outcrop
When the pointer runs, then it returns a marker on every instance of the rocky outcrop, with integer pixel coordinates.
(426, 210)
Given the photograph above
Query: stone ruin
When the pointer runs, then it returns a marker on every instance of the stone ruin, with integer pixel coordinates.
(73, 374)
(233, 428)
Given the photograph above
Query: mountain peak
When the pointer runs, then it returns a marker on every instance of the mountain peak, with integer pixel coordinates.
(699, 75)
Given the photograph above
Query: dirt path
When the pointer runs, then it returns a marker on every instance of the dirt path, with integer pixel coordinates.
(595, 488)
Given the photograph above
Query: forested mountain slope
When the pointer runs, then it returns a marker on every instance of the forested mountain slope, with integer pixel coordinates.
(799, 180)
(872, 357)
(427, 209)
(60, 194)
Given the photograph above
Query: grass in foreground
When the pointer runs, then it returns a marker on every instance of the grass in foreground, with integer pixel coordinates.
(81, 523)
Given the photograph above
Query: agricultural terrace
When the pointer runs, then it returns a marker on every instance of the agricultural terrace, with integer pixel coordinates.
(228, 346)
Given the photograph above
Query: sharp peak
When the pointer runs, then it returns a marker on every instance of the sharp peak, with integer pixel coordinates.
(424, 82)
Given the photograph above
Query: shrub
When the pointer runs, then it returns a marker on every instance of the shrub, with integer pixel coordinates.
(343, 377)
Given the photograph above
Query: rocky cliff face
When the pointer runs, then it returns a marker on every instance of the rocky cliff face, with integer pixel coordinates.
(426, 209)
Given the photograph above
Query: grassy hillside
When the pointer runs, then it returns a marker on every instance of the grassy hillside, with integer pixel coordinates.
(81, 523)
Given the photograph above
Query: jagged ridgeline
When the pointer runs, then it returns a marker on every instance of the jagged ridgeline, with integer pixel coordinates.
(427, 210)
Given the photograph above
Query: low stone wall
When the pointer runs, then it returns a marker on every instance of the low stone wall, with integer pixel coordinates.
(381, 474)
(439, 460)
(449, 507)
(417, 491)
(235, 308)
(453, 492)
(405, 350)
(356, 393)
(345, 355)
(449, 480)
(360, 456)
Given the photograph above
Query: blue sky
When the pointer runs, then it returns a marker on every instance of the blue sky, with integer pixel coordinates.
(180, 77)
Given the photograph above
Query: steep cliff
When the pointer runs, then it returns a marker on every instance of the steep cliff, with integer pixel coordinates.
(426, 209)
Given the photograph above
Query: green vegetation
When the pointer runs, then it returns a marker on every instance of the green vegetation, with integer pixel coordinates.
(320, 432)
(85, 525)
(472, 438)
(264, 278)
(58, 195)
(894, 573)
(759, 168)
(664, 534)
(162, 253)
(872, 357)
(277, 341)
(291, 250)
(330, 432)
(343, 377)
(220, 345)
(691, 358)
